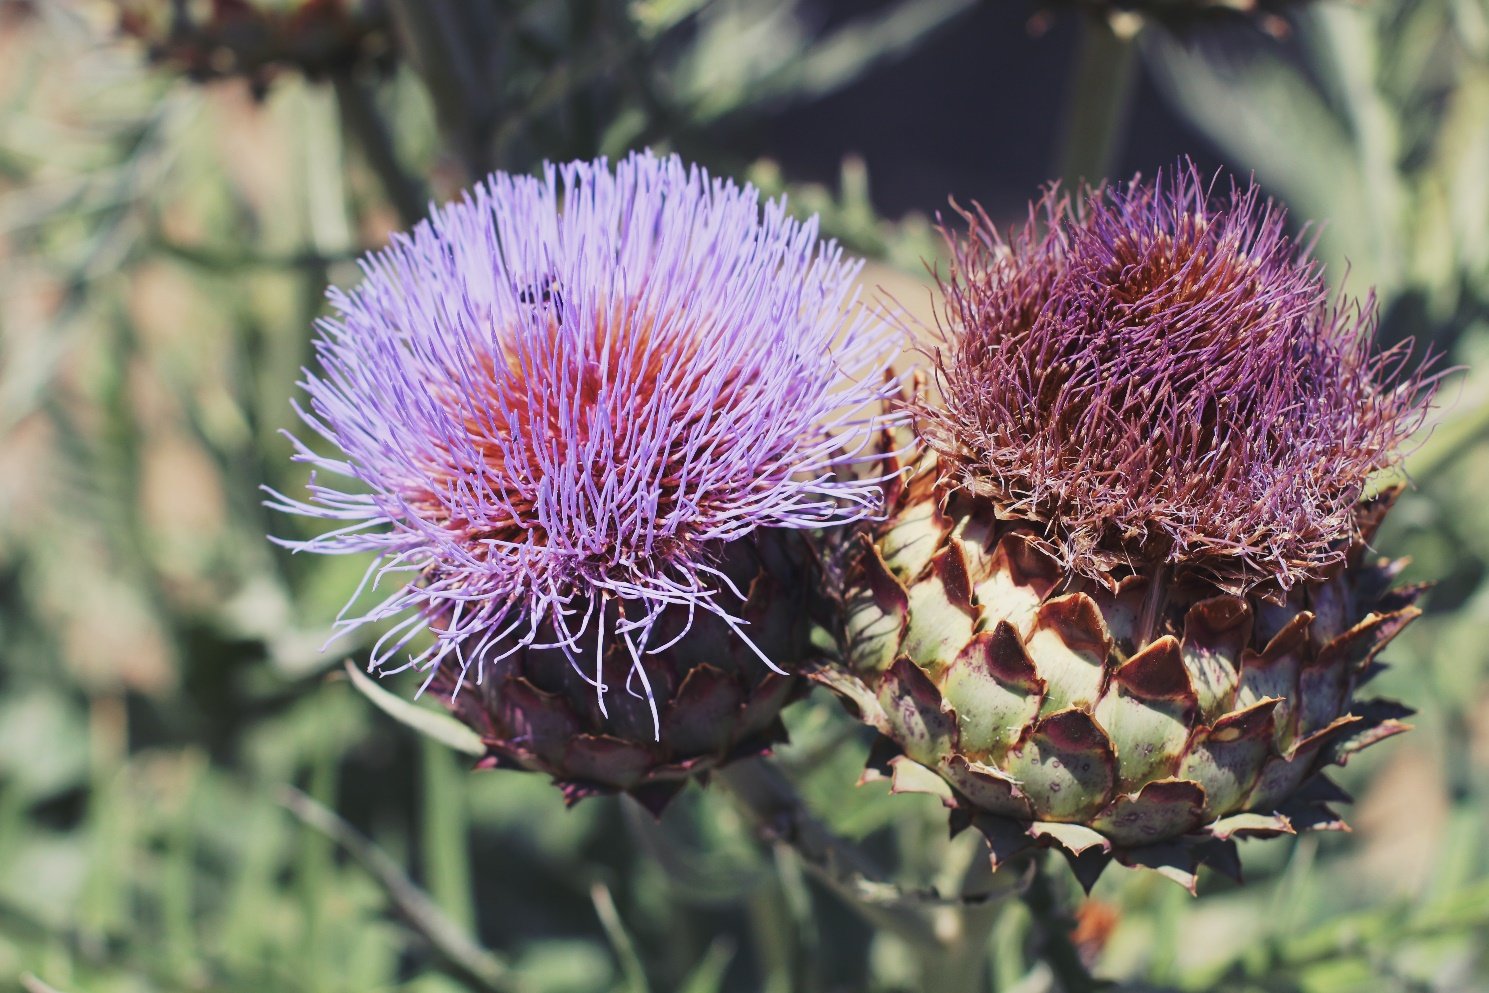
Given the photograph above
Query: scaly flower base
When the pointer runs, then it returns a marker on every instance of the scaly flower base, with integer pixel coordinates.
(716, 701)
(1132, 718)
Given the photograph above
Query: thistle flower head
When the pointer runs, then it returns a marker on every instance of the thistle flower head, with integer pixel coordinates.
(1159, 376)
(1122, 604)
(558, 400)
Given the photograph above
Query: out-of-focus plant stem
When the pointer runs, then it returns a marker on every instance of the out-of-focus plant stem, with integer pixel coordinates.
(362, 120)
(105, 904)
(1096, 107)
(1053, 926)
(960, 962)
(443, 53)
(632, 970)
(779, 811)
(446, 847)
(782, 815)
(473, 965)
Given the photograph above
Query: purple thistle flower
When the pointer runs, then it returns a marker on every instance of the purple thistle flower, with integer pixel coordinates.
(559, 399)
(1161, 377)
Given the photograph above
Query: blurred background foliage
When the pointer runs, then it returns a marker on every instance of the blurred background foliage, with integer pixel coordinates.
(180, 180)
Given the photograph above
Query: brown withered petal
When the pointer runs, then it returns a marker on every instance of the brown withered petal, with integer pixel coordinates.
(1155, 375)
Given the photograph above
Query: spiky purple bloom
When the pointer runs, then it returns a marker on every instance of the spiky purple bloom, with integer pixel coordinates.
(1159, 376)
(558, 400)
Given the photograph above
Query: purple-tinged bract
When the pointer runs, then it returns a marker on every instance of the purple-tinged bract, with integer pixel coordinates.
(560, 401)
(1124, 601)
(1158, 376)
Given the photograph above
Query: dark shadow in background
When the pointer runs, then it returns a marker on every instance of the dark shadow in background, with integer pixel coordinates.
(975, 113)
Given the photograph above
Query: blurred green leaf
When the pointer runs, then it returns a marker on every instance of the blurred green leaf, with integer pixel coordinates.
(441, 727)
(42, 748)
(476, 966)
(708, 977)
(620, 939)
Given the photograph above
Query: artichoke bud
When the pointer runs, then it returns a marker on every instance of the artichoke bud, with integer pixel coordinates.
(1123, 601)
(1139, 718)
(714, 699)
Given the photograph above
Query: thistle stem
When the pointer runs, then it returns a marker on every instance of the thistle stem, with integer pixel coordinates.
(1098, 102)
(777, 808)
(779, 811)
(959, 962)
(1054, 927)
(473, 965)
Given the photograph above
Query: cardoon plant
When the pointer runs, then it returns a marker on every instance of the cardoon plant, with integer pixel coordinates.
(585, 420)
(1122, 602)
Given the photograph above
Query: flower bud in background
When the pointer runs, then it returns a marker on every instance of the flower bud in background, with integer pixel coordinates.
(583, 420)
(253, 39)
(1129, 16)
(1124, 601)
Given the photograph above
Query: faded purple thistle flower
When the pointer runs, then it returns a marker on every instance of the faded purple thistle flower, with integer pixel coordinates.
(1158, 376)
(1122, 605)
(560, 400)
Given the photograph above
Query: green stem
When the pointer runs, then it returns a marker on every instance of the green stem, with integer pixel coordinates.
(445, 854)
(474, 966)
(431, 33)
(313, 866)
(781, 814)
(1097, 105)
(959, 963)
(1054, 926)
(776, 806)
(631, 968)
(360, 117)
